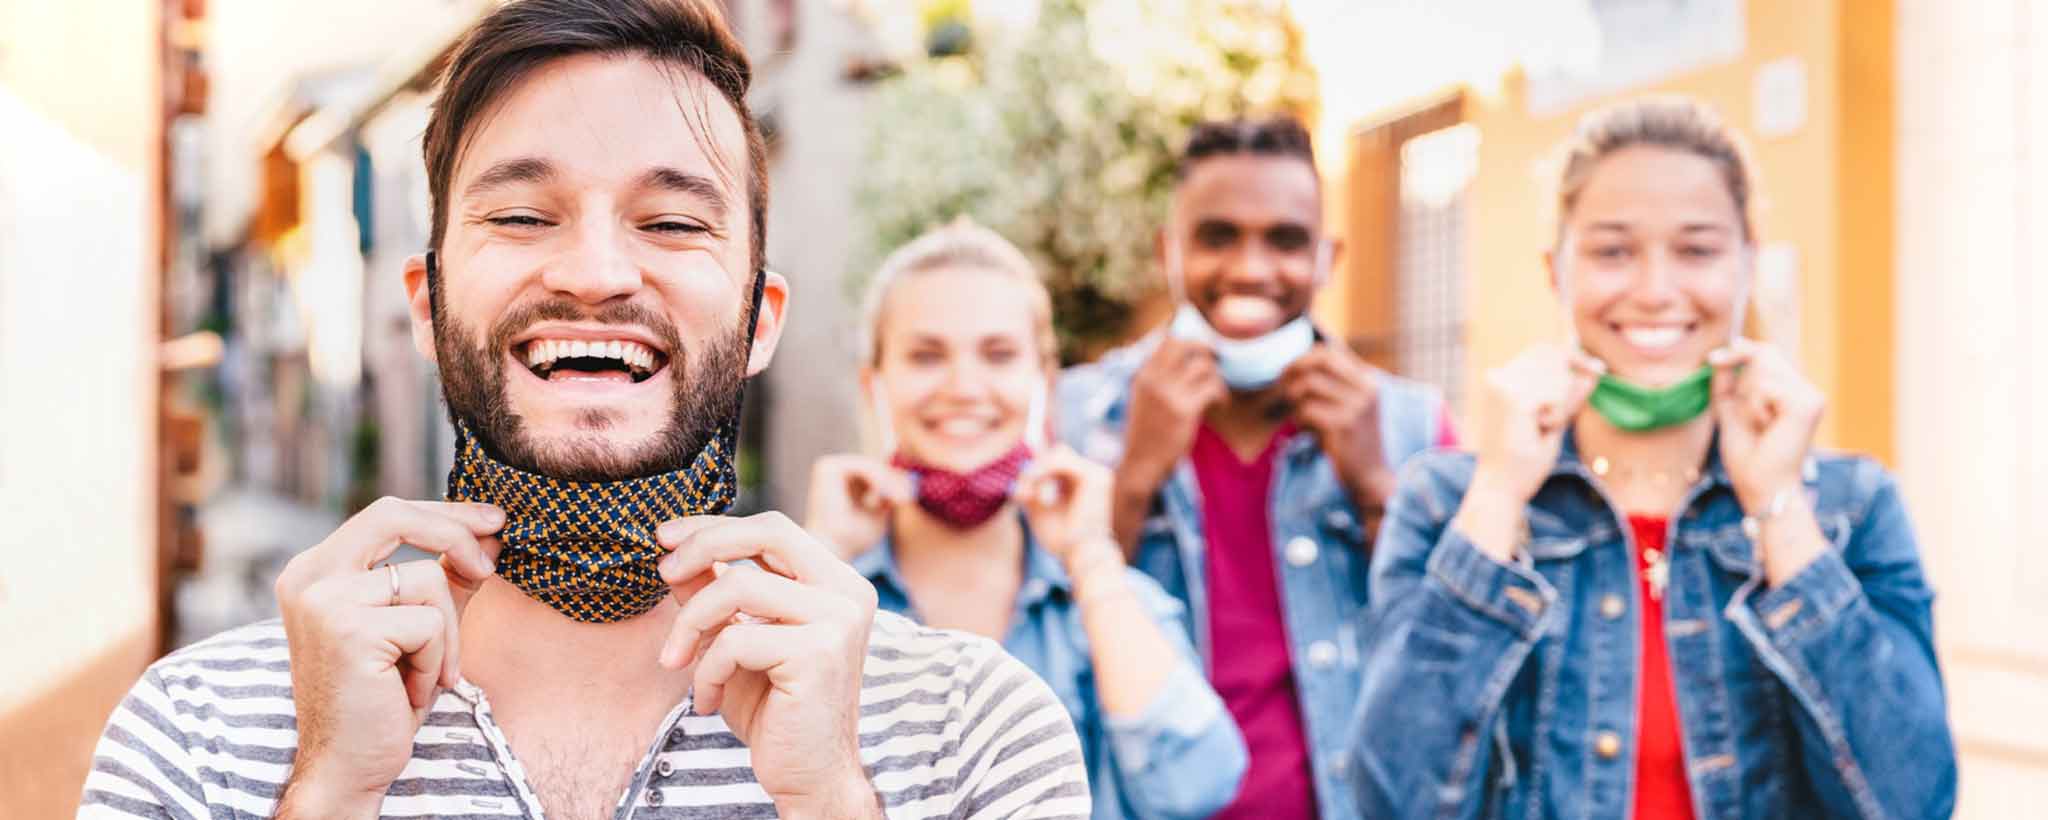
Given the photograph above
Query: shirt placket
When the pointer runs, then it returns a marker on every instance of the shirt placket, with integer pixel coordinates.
(650, 776)
(657, 769)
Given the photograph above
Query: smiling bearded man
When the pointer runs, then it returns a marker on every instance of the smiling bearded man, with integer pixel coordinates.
(596, 638)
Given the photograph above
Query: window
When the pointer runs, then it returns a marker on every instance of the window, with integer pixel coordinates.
(1429, 275)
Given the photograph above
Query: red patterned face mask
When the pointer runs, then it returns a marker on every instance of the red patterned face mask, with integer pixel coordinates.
(966, 500)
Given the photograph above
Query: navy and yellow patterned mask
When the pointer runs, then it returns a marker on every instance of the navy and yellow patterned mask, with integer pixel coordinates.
(587, 548)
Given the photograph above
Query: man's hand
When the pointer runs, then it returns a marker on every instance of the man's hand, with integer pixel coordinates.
(1335, 394)
(371, 645)
(1170, 392)
(851, 496)
(779, 646)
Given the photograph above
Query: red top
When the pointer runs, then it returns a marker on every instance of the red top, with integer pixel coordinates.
(1247, 635)
(1661, 789)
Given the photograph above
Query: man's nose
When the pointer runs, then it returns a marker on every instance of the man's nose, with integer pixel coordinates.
(1254, 266)
(597, 269)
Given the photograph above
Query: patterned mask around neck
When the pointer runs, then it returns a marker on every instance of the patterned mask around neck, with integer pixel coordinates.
(587, 548)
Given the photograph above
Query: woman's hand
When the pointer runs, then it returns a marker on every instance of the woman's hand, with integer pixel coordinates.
(1767, 414)
(1066, 499)
(1528, 404)
(851, 496)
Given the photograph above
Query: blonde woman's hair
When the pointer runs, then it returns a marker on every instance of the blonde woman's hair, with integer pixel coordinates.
(1671, 122)
(958, 246)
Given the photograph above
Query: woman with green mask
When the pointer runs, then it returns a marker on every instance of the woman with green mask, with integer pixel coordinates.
(1646, 595)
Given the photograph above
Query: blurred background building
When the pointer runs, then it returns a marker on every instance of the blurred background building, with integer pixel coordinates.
(205, 362)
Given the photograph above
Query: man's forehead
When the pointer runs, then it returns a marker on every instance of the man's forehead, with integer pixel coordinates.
(608, 119)
(1251, 189)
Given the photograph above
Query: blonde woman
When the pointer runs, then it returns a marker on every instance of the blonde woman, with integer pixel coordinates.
(1646, 596)
(971, 522)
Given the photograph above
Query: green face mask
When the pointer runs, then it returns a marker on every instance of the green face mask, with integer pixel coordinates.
(1636, 408)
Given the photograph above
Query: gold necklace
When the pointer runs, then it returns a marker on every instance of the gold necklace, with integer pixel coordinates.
(1625, 473)
(1656, 562)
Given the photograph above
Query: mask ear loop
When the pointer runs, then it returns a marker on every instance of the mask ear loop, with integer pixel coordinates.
(1321, 275)
(728, 434)
(1561, 262)
(1034, 421)
(1743, 286)
(1048, 492)
(878, 405)
(1176, 286)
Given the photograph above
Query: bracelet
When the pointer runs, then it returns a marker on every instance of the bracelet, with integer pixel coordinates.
(1109, 559)
(1753, 526)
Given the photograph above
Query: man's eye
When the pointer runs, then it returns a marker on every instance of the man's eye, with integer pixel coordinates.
(1215, 236)
(672, 226)
(1288, 239)
(518, 221)
(1610, 253)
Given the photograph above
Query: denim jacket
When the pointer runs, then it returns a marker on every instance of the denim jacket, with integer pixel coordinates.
(1508, 690)
(1319, 544)
(1181, 758)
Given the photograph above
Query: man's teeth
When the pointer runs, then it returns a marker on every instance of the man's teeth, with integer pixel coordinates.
(1653, 337)
(544, 352)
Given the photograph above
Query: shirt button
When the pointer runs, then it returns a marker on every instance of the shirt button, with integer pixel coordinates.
(1607, 745)
(675, 736)
(1301, 551)
(664, 767)
(1321, 654)
(654, 797)
(1339, 765)
(1611, 607)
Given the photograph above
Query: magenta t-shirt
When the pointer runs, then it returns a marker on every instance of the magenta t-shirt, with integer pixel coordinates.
(1249, 663)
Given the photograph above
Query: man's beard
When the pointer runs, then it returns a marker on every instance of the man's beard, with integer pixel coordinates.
(707, 395)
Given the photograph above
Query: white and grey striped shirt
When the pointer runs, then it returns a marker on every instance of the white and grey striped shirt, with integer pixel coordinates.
(951, 726)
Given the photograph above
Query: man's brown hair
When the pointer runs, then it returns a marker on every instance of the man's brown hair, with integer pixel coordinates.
(512, 41)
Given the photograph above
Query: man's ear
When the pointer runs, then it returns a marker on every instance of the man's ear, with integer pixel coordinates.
(768, 321)
(1550, 267)
(419, 299)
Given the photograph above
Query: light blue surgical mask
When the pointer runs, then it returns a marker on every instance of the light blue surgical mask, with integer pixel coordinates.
(1247, 364)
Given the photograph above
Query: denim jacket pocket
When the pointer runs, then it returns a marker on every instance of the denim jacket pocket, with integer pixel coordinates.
(1729, 549)
(1735, 554)
(1547, 537)
(1431, 645)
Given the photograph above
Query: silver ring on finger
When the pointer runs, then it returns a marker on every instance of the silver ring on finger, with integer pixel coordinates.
(393, 570)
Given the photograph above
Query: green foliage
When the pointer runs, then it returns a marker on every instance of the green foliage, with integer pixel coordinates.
(1063, 138)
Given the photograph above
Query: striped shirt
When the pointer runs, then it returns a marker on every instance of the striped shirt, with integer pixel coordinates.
(950, 726)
